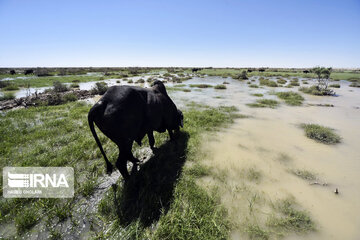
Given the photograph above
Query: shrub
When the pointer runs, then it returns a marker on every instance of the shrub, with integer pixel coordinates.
(315, 90)
(55, 99)
(130, 81)
(321, 134)
(70, 97)
(59, 87)
(291, 98)
(99, 88)
(7, 96)
(220, 86)
(140, 80)
(253, 86)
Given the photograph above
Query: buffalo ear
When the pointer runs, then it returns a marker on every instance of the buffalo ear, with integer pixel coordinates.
(182, 123)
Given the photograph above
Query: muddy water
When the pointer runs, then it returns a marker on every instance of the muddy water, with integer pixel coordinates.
(272, 144)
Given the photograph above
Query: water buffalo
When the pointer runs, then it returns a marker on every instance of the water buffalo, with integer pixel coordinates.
(127, 113)
(28, 71)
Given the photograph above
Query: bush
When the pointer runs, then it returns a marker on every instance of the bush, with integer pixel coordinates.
(59, 87)
(315, 90)
(130, 81)
(55, 99)
(7, 96)
(140, 80)
(99, 88)
(321, 134)
(253, 86)
(220, 86)
(70, 97)
(291, 98)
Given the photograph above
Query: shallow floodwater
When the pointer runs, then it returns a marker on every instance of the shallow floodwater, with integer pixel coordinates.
(272, 144)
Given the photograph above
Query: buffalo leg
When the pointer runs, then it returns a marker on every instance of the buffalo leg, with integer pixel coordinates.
(121, 165)
(151, 139)
(171, 134)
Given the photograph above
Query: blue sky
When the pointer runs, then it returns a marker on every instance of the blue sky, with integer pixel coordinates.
(220, 33)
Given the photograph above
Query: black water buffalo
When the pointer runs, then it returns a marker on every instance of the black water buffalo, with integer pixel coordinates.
(127, 113)
(28, 71)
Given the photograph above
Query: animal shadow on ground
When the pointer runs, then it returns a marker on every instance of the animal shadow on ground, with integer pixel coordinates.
(149, 191)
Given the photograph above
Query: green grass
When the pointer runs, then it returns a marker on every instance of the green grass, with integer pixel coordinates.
(254, 86)
(45, 136)
(290, 219)
(321, 134)
(26, 220)
(257, 94)
(291, 98)
(264, 103)
(255, 232)
(7, 96)
(267, 82)
(11, 87)
(48, 81)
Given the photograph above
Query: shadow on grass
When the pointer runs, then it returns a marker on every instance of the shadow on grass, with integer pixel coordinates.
(149, 191)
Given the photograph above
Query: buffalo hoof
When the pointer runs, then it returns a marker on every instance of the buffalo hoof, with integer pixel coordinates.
(109, 169)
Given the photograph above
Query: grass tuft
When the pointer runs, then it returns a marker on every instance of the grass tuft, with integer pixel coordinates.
(264, 103)
(220, 86)
(321, 134)
(291, 219)
(291, 98)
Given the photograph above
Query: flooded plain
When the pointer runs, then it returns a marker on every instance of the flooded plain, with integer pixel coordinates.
(259, 160)
(265, 157)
